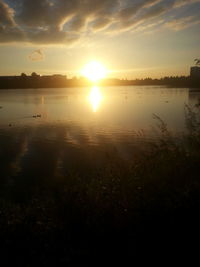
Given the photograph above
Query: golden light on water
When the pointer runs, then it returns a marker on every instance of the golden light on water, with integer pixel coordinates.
(94, 71)
(95, 98)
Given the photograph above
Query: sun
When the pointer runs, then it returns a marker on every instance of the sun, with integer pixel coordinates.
(94, 71)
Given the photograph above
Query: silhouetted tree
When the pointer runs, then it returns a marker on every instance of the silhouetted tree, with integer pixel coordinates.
(34, 75)
(197, 61)
(23, 75)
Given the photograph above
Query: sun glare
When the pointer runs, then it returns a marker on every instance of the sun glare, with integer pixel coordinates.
(94, 71)
(95, 98)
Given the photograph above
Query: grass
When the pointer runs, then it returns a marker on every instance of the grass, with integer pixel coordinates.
(109, 212)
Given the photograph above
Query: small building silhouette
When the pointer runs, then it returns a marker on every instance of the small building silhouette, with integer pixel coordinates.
(195, 72)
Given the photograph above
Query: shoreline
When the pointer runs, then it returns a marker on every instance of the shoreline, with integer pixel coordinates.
(192, 87)
(60, 81)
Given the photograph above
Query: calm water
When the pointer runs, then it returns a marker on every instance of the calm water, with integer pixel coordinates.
(108, 110)
(79, 128)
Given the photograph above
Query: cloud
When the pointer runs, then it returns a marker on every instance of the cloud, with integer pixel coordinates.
(37, 55)
(35, 13)
(132, 9)
(182, 23)
(101, 23)
(11, 34)
(147, 11)
(180, 3)
(6, 15)
(67, 21)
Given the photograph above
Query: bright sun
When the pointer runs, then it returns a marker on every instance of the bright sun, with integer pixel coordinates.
(94, 71)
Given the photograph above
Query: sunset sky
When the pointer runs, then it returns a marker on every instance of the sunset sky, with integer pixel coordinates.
(132, 38)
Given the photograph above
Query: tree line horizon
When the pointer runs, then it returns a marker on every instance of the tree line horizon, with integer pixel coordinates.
(60, 81)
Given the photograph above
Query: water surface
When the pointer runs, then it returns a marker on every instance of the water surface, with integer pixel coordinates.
(46, 134)
(109, 109)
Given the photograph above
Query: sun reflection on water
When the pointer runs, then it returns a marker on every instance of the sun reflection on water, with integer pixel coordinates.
(95, 98)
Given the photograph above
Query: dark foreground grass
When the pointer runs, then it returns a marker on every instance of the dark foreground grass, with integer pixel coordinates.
(121, 211)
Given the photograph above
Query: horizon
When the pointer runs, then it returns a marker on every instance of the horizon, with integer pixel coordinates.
(132, 39)
(105, 78)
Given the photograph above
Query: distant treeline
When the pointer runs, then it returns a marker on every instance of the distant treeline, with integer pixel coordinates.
(59, 81)
(177, 81)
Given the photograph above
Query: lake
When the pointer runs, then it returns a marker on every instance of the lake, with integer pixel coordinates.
(108, 110)
(51, 132)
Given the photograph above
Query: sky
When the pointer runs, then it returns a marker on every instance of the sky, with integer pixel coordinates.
(131, 38)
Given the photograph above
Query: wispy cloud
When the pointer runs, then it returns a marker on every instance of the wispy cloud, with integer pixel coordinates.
(180, 3)
(182, 23)
(37, 55)
(67, 21)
